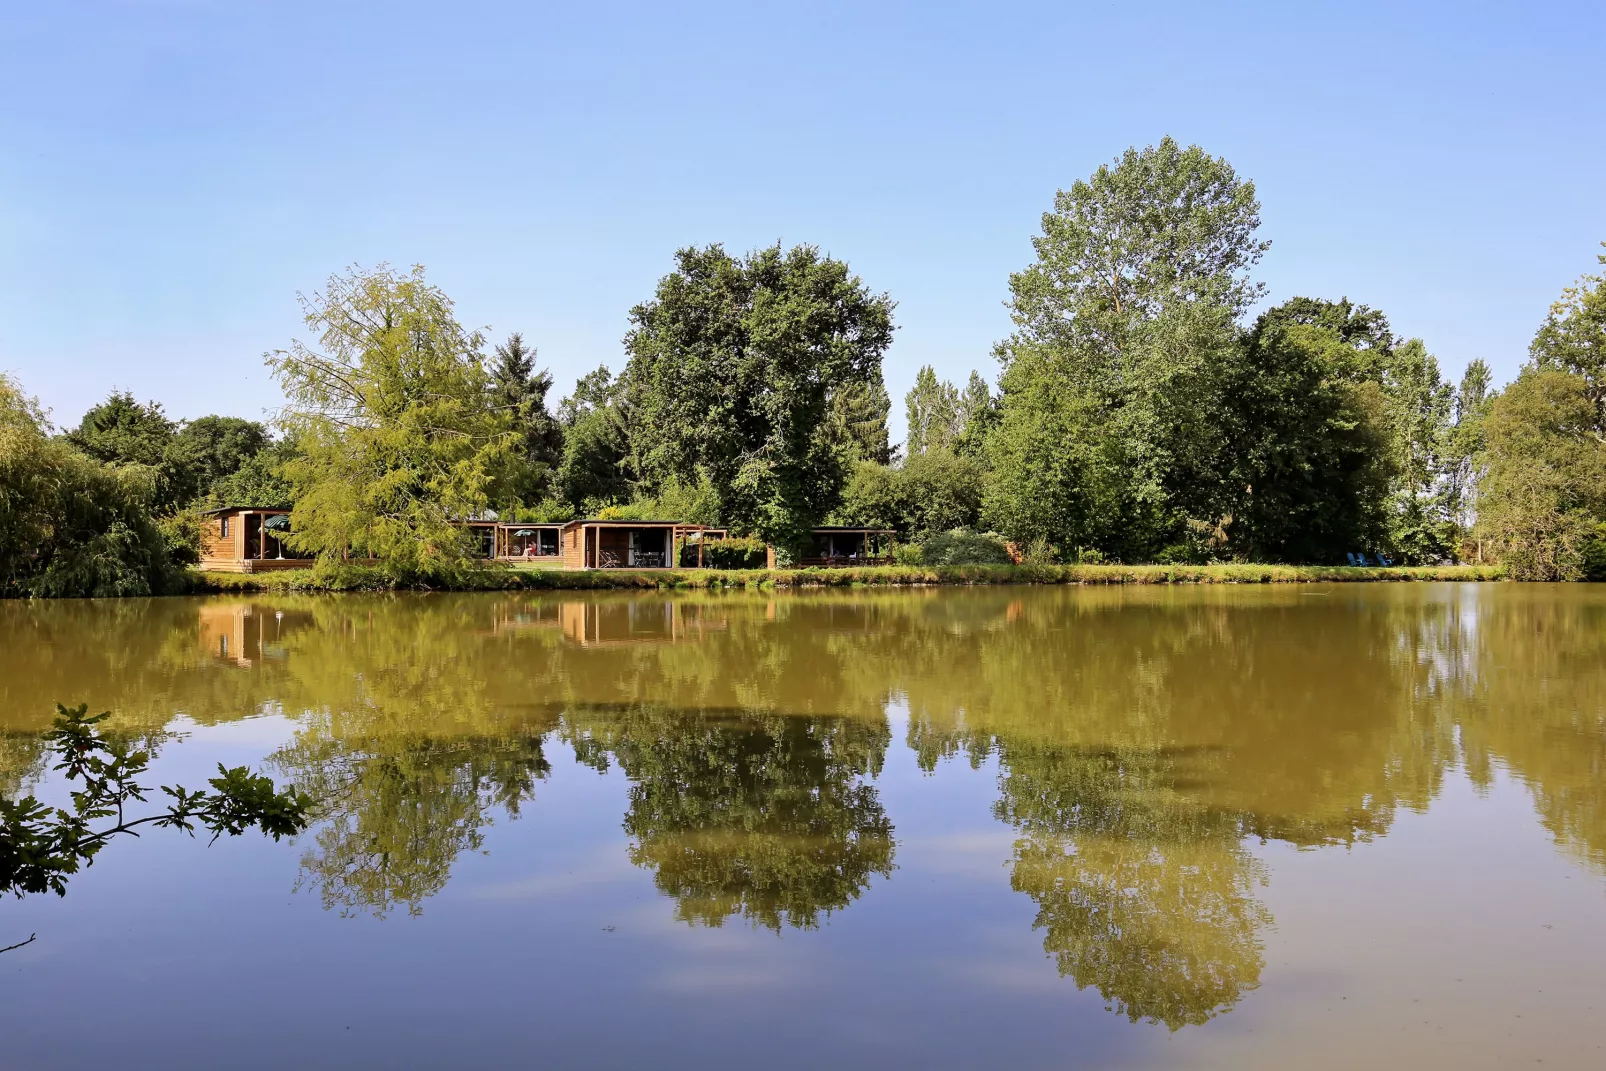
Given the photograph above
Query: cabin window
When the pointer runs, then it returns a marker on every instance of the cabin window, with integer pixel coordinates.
(223, 527)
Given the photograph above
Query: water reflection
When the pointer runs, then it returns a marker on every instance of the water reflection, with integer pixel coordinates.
(397, 810)
(1141, 893)
(769, 817)
(1144, 739)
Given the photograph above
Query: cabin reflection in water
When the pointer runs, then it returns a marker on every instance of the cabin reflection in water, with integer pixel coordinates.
(523, 616)
(606, 624)
(245, 634)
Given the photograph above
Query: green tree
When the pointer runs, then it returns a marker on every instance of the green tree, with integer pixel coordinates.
(396, 421)
(1056, 474)
(523, 391)
(1311, 458)
(1420, 408)
(933, 413)
(259, 481)
(596, 444)
(71, 525)
(1542, 494)
(1573, 336)
(1110, 430)
(1363, 330)
(209, 449)
(978, 415)
(1417, 504)
(934, 491)
(122, 431)
(1466, 443)
(859, 409)
(1544, 484)
(594, 390)
(733, 366)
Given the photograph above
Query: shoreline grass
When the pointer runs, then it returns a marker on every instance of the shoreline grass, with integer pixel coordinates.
(367, 578)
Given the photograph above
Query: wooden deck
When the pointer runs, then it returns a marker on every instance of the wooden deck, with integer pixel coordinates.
(253, 565)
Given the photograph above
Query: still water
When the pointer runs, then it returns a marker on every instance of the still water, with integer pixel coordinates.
(1259, 827)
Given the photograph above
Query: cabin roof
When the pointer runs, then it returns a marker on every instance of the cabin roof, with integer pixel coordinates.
(834, 528)
(242, 509)
(635, 524)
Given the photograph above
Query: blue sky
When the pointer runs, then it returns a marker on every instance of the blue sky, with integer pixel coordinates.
(172, 173)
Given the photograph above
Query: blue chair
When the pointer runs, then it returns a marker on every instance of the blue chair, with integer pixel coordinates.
(1384, 560)
(1356, 560)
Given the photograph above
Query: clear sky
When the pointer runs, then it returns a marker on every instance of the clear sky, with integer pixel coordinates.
(173, 173)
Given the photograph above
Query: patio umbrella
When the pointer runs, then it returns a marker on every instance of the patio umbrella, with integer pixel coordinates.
(277, 523)
(524, 533)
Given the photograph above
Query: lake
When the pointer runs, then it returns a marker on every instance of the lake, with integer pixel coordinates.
(1313, 826)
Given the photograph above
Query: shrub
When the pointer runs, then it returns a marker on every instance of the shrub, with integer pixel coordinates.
(964, 547)
(1039, 551)
(181, 534)
(1180, 554)
(907, 553)
(743, 553)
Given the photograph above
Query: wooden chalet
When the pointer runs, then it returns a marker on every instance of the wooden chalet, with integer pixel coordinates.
(693, 543)
(529, 542)
(599, 544)
(845, 546)
(248, 539)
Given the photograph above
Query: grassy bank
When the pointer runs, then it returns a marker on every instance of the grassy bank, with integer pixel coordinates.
(370, 579)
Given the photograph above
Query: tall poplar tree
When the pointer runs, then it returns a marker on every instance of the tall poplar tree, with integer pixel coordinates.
(932, 409)
(1125, 331)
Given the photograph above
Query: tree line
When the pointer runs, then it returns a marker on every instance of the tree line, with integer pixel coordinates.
(1142, 412)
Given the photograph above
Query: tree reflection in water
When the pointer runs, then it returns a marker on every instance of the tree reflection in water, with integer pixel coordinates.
(764, 816)
(1147, 899)
(396, 811)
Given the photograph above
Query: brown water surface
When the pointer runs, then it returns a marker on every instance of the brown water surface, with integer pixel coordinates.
(1229, 827)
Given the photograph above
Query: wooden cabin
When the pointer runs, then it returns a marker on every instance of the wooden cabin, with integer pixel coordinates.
(537, 542)
(598, 544)
(246, 539)
(694, 543)
(845, 546)
(485, 535)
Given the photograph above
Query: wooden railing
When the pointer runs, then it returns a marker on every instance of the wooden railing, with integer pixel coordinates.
(641, 559)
